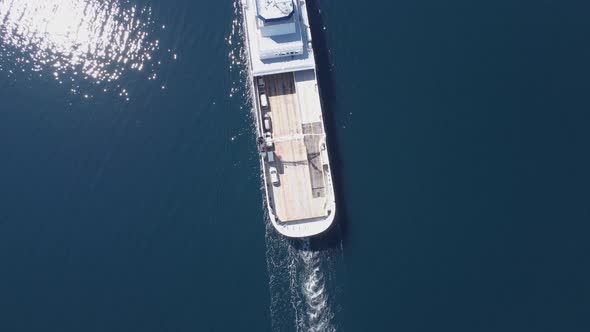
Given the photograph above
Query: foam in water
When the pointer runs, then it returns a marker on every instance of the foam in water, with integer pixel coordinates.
(299, 295)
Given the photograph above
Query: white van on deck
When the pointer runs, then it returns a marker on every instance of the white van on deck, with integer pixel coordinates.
(274, 175)
(263, 100)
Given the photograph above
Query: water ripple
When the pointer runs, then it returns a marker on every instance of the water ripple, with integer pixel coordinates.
(92, 40)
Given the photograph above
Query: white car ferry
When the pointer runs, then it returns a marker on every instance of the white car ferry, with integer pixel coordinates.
(292, 140)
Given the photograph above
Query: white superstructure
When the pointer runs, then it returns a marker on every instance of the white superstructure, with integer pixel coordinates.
(292, 139)
(278, 45)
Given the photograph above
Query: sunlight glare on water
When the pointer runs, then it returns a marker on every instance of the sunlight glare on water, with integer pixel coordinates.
(97, 40)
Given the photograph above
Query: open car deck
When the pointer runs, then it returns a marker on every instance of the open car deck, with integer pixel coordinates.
(297, 134)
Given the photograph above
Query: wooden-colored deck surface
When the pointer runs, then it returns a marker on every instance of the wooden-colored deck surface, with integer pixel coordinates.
(293, 198)
(284, 106)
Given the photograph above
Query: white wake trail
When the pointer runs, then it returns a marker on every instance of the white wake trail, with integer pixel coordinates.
(299, 296)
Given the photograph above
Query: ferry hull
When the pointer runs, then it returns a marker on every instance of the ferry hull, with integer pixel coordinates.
(294, 159)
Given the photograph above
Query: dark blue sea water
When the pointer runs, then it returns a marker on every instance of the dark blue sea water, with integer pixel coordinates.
(129, 181)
